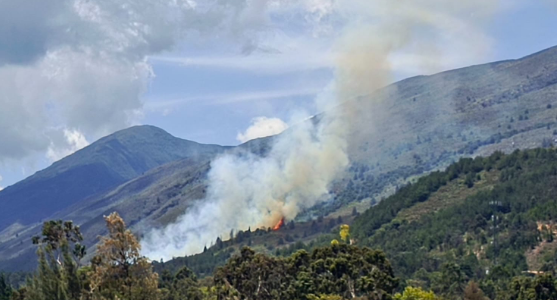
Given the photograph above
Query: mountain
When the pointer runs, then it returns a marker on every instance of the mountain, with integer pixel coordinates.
(104, 164)
(425, 123)
(404, 131)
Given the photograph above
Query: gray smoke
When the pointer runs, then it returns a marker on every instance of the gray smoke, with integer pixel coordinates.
(252, 191)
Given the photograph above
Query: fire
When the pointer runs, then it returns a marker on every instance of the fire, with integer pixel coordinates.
(279, 224)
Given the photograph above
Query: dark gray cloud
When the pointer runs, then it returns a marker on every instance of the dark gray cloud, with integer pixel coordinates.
(28, 29)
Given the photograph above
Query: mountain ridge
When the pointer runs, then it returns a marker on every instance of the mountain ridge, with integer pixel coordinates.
(106, 163)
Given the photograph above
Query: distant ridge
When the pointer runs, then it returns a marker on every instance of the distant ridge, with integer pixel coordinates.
(104, 164)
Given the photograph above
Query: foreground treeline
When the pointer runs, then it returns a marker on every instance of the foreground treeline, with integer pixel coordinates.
(118, 271)
(335, 272)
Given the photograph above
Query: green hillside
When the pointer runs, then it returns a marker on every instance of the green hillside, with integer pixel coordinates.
(490, 218)
(486, 219)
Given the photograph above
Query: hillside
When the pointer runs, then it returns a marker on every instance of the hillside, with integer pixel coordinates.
(487, 219)
(406, 130)
(66, 187)
(492, 218)
(425, 123)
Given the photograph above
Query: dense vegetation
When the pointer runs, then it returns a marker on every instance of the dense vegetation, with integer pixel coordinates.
(284, 242)
(482, 229)
(117, 271)
(479, 219)
(335, 272)
(487, 220)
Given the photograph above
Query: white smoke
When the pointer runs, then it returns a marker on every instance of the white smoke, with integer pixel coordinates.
(248, 190)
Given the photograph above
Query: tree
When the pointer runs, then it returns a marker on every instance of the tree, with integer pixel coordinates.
(251, 275)
(49, 281)
(324, 297)
(473, 292)
(184, 285)
(341, 269)
(542, 287)
(5, 288)
(291, 225)
(118, 269)
(411, 293)
(344, 232)
(57, 276)
(58, 234)
(219, 243)
(469, 180)
(451, 281)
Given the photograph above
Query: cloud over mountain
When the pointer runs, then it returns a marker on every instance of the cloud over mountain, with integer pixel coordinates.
(262, 127)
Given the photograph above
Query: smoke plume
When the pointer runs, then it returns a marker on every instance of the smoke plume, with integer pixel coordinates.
(251, 191)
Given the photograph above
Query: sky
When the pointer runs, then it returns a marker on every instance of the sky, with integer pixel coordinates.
(213, 71)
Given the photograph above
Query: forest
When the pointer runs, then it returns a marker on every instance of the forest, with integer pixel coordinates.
(481, 229)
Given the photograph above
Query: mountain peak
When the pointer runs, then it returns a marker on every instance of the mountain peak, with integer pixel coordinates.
(139, 130)
(105, 163)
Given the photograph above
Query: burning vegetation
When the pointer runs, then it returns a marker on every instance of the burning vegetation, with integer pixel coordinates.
(279, 224)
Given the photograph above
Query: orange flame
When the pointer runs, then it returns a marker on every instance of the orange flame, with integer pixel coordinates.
(279, 225)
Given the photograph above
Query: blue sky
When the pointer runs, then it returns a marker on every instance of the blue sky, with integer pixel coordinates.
(204, 89)
(519, 32)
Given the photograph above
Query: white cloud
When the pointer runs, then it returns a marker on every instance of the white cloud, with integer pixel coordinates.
(260, 63)
(262, 127)
(74, 141)
(77, 64)
(1, 188)
(166, 106)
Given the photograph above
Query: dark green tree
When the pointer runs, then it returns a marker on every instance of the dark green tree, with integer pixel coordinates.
(57, 276)
(541, 287)
(343, 270)
(5, 288)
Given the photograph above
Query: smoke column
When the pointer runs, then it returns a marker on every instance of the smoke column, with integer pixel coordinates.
(251, 191)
